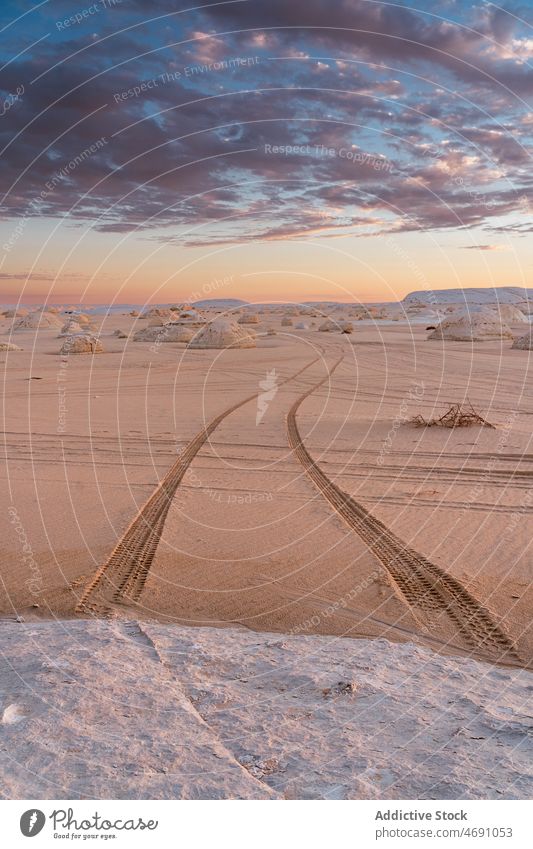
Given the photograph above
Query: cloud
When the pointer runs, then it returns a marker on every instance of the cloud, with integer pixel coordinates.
(479, 51)
(438, 140)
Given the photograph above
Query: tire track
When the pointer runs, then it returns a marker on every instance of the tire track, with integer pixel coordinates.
(122, 577)
(425, 586)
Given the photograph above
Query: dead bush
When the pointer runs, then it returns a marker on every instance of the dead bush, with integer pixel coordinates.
(458, 415)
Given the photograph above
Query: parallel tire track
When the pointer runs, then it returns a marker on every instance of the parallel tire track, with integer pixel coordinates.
(423, 584)
(122, 577)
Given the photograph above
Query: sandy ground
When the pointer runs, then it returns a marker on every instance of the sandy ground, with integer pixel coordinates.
(249, 538)
(91, 709)
(461, 497)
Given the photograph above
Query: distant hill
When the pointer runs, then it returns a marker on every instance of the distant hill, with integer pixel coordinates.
(221, 303)
(488, 295)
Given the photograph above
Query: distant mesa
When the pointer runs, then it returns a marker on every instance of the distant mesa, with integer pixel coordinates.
(487, 295)
(221, 303)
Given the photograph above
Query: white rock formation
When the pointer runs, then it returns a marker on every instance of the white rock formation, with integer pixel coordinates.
(331, 325)
(84, 344)
(509, 314)
(524, 343)
(481, 325)
(488, 295)
(20, 313)
(71, 328)
(222, 333)
(171, 332)
(37, 320)
(134, 710)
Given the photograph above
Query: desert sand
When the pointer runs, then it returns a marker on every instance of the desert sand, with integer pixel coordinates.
(278, 489)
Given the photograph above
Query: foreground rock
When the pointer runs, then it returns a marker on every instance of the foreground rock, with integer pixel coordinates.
(135, 710)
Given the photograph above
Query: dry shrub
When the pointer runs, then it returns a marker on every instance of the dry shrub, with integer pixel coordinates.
(458, 415)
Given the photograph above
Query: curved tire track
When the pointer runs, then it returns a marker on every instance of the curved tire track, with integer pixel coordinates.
(424, 585)
(122, 577)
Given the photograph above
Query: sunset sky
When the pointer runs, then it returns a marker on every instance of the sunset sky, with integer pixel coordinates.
(285, 149)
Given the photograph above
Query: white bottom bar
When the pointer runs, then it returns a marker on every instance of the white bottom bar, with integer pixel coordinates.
(262, 825)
